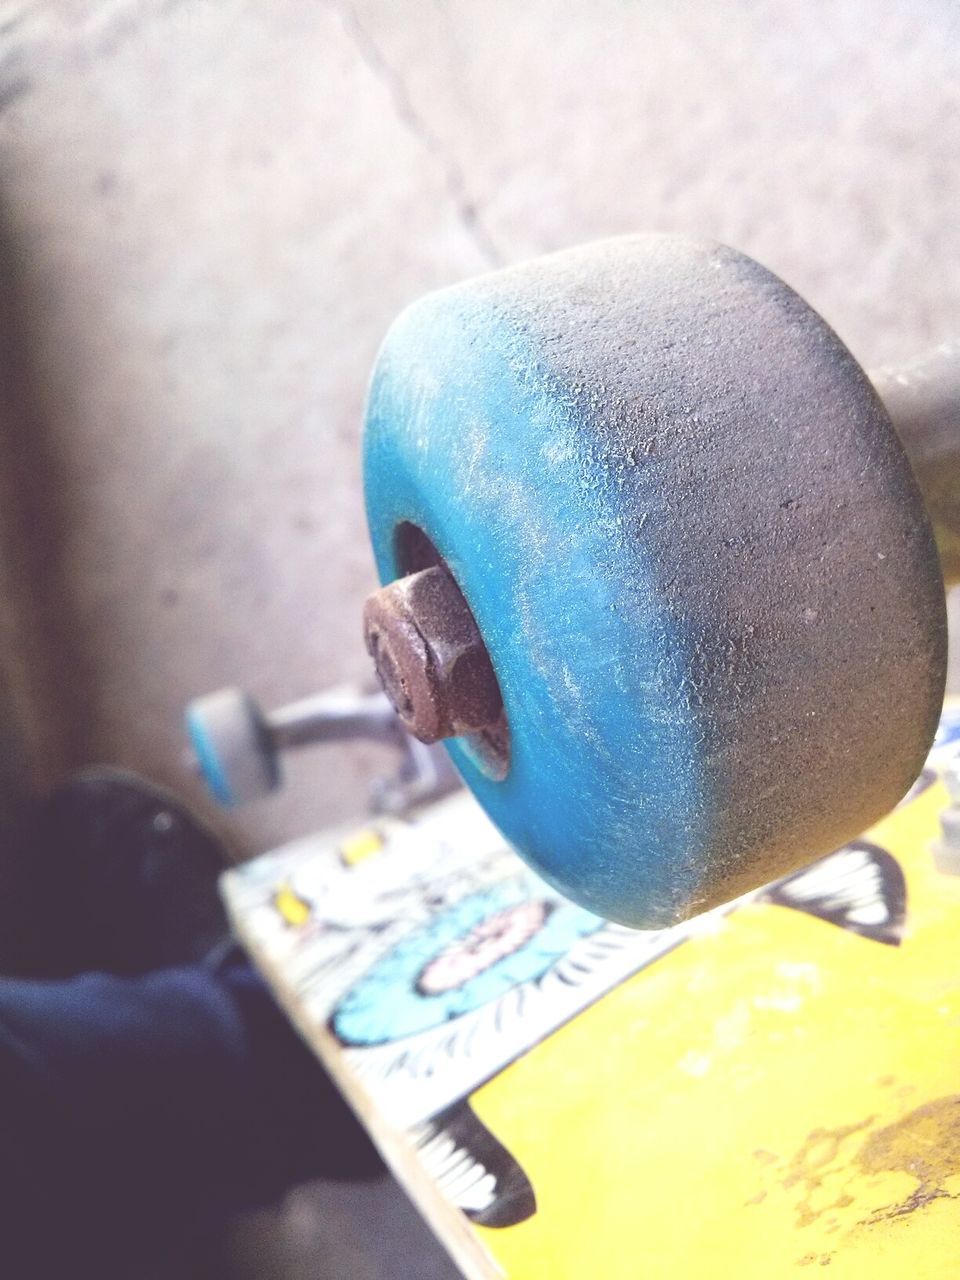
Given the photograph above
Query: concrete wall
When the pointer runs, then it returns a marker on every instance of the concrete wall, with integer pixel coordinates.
(210, 212)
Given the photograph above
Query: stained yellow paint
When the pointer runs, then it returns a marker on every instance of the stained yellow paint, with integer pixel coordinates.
(772, 1098)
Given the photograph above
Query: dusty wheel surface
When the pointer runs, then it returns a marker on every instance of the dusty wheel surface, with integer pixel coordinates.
(695, 552)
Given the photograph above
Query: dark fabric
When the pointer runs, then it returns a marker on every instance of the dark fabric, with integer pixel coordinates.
(124, 877)
(140, 1110)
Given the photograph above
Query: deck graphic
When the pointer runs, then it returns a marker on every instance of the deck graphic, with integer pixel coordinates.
(516, 1039)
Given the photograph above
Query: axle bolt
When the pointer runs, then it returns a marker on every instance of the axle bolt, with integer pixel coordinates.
(430, 656)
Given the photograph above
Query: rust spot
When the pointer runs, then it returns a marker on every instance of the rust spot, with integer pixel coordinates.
(925, 1144)
(821, 1259)
(814, 1163)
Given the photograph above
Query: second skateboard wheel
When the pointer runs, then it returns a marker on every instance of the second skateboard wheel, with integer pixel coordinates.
(232, 745)
(695, 552)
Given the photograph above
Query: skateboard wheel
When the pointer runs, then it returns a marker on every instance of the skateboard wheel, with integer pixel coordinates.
(696, 555)
(232, 745)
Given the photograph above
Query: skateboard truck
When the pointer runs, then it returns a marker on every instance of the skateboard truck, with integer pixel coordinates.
(236, 745)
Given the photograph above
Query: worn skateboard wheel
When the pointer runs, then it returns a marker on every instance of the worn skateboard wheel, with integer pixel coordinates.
(232, 745)
(695, 553)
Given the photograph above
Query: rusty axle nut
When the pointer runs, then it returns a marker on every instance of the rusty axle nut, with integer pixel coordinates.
(430, 656)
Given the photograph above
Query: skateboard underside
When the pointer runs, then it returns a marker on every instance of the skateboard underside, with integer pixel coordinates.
(770, 1087)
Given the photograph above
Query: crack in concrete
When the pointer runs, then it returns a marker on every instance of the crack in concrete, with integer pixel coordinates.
(14, 82)
(100, 35)
(13, 15)
(112, 28)
(11, 90)
(56, 45)
(410, 117)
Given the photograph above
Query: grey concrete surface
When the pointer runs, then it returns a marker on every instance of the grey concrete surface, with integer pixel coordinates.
(210, 212)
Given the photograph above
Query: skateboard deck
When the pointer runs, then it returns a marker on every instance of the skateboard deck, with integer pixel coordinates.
(769, 1088)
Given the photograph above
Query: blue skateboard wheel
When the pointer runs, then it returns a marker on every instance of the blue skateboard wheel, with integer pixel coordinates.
(695, 551)
(231, 743)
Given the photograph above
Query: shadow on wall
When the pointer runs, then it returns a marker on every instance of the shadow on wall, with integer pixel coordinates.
(42, 691)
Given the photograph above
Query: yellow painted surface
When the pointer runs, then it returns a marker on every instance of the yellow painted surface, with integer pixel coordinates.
(358, 848)
(773, 1098)
(292, 908)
